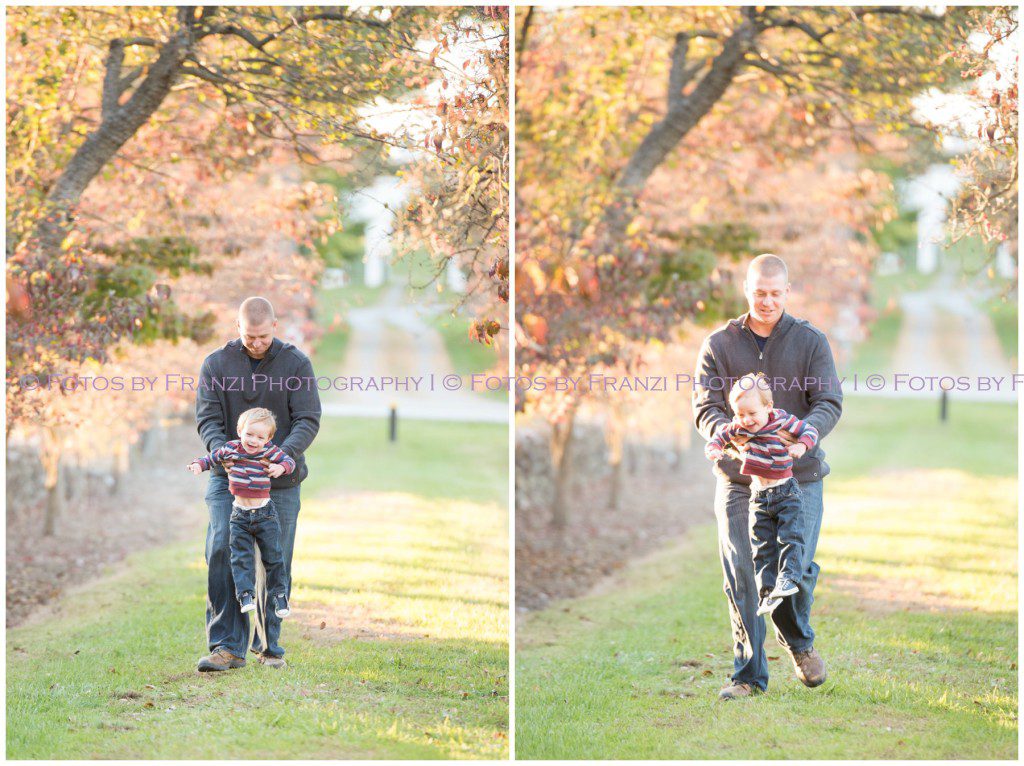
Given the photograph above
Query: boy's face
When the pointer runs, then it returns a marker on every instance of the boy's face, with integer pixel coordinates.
(255, 436)
(256, 337)
(751, 412)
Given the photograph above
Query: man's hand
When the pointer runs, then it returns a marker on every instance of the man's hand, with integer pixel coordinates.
(797, 450)
(275, 470)
(740, 442)
(787, 437)
(194, 467)
(711, 452)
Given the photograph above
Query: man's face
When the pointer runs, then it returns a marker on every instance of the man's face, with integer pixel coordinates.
(256, 337)
(766, 296)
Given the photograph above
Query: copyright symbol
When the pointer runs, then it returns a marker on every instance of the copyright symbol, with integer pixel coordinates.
(875, 382)
(451, 382)
(28, 382)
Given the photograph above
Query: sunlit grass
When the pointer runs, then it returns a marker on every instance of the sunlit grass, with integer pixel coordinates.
(397, 645)
(916, 615)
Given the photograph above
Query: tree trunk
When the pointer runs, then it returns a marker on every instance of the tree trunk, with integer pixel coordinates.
(682, 115)
(561, 457)
(118, 124)
(615, 438)
(50, 456)
(122, 466)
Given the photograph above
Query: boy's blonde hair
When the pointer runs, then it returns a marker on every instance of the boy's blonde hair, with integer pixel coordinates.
(751, 382)
(257, 415)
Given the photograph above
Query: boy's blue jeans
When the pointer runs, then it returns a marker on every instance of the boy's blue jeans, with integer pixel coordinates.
(260, 526)
(226, 626)
(792, 617)
(776, 534)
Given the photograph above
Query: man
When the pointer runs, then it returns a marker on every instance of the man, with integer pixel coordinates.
(767, 339)
(254, 370)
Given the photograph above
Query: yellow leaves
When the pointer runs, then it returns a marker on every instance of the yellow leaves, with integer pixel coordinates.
(698, 208)
(634, 227)
(536, 275)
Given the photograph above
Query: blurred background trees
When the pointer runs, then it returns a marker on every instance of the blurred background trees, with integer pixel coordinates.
(160, 168)
(658, 148)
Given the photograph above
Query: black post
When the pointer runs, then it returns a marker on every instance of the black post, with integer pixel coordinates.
(943, 405)
(393, 424)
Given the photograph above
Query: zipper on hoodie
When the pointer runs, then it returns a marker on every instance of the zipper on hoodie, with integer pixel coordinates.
(760, 353)
(757, 348)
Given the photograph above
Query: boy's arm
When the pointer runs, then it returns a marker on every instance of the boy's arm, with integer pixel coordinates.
(723, 435)
(277, 455)
(803, 431)
(219, 455)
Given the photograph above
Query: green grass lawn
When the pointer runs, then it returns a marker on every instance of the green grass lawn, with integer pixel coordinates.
(1005, 316)
(397, 646)
(468, 356)
(916, 615)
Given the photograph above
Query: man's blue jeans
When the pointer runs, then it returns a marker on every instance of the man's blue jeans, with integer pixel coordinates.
(792, 617)
(226, 626)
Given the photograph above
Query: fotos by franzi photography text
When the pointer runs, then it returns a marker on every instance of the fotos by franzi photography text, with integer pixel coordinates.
(309, 322)
(247, 248)
(766, 274)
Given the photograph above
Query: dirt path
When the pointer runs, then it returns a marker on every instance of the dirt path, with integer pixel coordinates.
(661, 501)
(944, 333)
(393, 339)
(101, 524)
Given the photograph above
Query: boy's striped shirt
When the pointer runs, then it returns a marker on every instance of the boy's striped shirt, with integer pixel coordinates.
(766, 454)
(248, 476)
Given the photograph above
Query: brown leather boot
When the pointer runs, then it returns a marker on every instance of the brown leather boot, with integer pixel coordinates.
(809, 667)
(734, 690)
(220, 659)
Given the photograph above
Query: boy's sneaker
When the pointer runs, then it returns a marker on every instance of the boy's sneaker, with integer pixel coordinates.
(734, 690)
(784, 587)
(768, 605)
(281, 606)
(247, 603)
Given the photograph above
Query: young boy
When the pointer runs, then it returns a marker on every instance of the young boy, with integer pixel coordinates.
(776, 536)
(253, 517)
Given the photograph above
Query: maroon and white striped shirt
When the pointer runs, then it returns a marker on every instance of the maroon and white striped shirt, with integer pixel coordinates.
(767, 455)
(248, 476)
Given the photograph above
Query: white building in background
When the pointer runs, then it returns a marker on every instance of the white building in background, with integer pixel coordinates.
(375, 206)
(1006, 267)
(930, 194)
(455, 277)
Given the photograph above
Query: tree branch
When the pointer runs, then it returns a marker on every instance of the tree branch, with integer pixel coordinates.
(686, 111)
(112, 79)
(523, 34)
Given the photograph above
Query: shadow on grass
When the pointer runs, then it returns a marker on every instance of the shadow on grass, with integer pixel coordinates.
(111, 674)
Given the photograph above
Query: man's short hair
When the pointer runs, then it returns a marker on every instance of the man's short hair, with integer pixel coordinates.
(256, 311)
(756, 382)
(768, 265)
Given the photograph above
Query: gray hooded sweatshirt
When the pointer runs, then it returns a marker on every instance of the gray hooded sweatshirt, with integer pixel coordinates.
(282, 383)
(798, 363)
